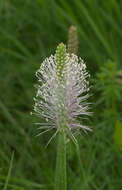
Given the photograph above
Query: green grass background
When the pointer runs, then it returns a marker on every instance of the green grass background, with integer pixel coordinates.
(30, 30)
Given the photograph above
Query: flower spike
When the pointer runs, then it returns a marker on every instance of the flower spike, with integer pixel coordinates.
(62, 92)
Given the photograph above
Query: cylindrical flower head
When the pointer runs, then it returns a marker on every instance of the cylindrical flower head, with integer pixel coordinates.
(62, 93)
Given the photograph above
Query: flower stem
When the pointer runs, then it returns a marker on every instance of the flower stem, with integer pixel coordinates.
(60, 175)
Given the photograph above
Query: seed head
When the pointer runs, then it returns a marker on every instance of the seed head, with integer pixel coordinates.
(72, 40)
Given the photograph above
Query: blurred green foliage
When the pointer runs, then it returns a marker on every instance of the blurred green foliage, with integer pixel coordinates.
(30, 31)
(118, 135)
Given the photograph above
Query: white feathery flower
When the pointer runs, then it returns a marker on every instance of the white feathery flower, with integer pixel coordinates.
(62, 92)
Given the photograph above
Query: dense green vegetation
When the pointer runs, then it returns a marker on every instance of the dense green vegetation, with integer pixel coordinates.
(30, 30)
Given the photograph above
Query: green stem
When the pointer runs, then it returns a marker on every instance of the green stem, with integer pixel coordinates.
(60, 175)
